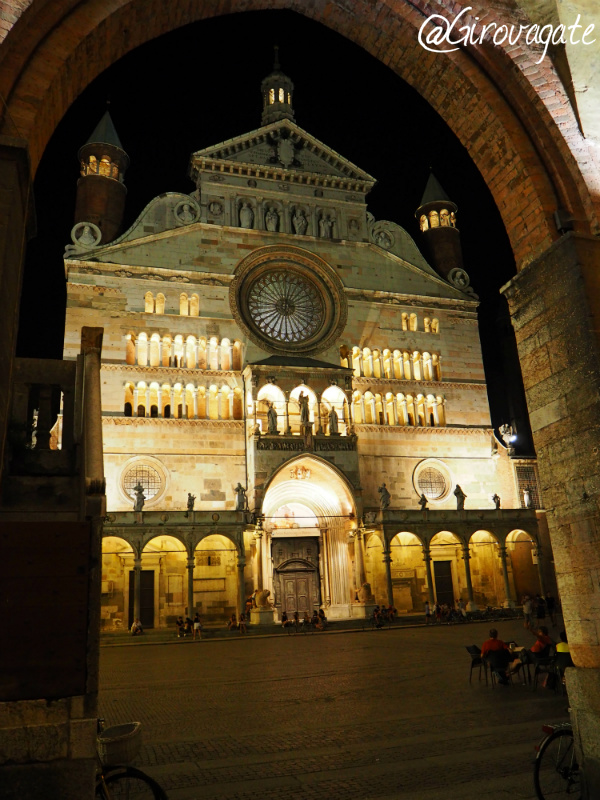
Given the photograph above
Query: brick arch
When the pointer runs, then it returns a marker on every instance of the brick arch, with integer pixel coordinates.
(489, 96)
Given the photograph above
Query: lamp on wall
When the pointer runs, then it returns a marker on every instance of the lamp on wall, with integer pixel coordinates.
(509, 437)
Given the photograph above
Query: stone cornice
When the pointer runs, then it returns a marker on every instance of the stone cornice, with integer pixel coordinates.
(160, 274)
(466, 307)
(164, 372)
(461, 431)
(418, 385)
(202, 423)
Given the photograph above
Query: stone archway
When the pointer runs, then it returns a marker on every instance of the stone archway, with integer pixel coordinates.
(309, 511)
(117, 557)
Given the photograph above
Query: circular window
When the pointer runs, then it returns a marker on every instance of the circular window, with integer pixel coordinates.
(432, 483)
(288, 301)
(285, 306)
(148, 477)
(432, 478)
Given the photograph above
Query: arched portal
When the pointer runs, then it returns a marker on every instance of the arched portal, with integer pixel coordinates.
(215, 581)
(521, 550)
(409, 578)
(309, 511)
(486, 570)
(117, 560)
(448, 568)
(162, 583)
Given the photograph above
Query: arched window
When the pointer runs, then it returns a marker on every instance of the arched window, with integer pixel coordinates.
(356, 362)
(376, 356)
(410, 410)
(344, 356)
(401, 409)
(104, 167)
(404, 321)
(148, 303)
(434, 219)
(441, 410)
(436, 369)
(357, 414)
(129, 349)
(213, 402)
(178, 351)
(435, 326)
(417, 366)
(190, 352)
(389, 409)
(421, 411)
(194, 305)
(225, 354)
(427, 367)
(237, 355)
(367, 360)
(167, 346)
(271, 96)
(202, 354)
(160, 303)
(413, 322)
(128, 406)
(183, 305)
(427, 325)
(140, 401)
(379, 412)
(201, 402)
(398, 370)
(238, 411)
(214, 353)
(165, 400)
(225, 395)
(370, 417)
(143, 350)
(388, 367)
(155, 350)
(406, 365)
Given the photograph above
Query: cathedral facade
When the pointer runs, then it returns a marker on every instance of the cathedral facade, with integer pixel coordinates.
(294, 401)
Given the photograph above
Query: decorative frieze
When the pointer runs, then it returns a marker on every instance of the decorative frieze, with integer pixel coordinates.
(202, 423)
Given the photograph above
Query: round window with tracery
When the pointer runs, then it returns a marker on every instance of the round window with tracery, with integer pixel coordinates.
(432, 483)
(288, 300)
(147, 476)
(285, 306)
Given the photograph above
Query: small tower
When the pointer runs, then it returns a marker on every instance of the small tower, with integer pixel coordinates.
(277, 91)
(437, 221)
(100, 189)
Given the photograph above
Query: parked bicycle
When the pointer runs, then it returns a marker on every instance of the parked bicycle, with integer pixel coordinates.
(556, 772)
(116, 745)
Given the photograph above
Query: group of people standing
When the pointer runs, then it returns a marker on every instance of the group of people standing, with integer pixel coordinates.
(445, 613)
(537, 607)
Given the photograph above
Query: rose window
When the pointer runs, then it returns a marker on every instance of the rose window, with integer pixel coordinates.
(432, 483)
(285, 306)
(144, 475)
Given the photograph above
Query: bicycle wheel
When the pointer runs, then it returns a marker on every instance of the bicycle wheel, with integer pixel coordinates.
(556, 772)
(128, 783)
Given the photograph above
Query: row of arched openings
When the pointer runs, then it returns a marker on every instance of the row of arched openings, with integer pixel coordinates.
(190, 352)
(189, 306)
(394, 364)
(182, 401)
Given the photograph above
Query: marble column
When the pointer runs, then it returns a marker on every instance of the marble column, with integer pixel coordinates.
(540, 568)
(509, 602)
(428, 572)
(471, 605)
(359, 557)
(387, 560)
(241, 599)
(191, 562)
(137, 586)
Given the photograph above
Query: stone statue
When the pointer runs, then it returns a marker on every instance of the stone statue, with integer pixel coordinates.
(261, 598)
(246, 216)
(385, 498)
(424, 222)
(383, 239)
(140, 497)
(304, 410)
(364, 594)
(240, 501)
(527, 498)
(496, 499)
(423, 502)
(87, 238)
(271, 418)
(190, 501)
(272, 219)
(299, 222)
(460, 498)
(325, 227)
(184, 214)
(333, 421)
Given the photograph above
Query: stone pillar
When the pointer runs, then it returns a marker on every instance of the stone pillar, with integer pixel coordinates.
(540, 568)
(288, 430)
(137, 586)
(359, 557)
(324, 559)
(509, 602)
(91, 348)
(427, 560)
(387, 560)
(471, 605)
(190, 568)
(241, 599)
(555, 310)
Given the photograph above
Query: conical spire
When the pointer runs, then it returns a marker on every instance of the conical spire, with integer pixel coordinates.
(433, 191)
(105, 133)
(277, 91)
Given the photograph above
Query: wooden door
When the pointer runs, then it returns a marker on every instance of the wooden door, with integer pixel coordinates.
(444, 588)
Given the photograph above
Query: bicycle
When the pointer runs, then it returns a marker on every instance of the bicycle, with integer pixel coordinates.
(555, 771)
(121, 743)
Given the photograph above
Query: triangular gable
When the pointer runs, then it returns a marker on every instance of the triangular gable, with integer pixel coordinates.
(284, 145)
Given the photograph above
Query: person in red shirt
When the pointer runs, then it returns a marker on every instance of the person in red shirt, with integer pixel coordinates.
(498, 656)
(539, 649)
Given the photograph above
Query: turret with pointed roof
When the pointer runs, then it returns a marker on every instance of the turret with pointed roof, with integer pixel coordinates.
(437, 220)
(100, 190)
(277, 91)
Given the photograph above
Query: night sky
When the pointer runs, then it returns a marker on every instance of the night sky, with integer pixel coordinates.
(200, 85)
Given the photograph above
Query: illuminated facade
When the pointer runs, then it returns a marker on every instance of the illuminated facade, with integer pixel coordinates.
(284, 378)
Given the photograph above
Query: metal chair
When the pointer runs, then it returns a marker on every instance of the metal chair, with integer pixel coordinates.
(498, 661)
(476, 661)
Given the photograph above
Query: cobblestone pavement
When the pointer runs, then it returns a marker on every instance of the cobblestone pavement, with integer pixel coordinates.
(373, 714)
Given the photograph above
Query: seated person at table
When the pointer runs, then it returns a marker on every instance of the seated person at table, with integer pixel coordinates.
(497, 654)
(540, 648)
(563, 645)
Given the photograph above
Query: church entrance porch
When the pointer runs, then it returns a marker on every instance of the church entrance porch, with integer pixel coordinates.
(304, 553)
